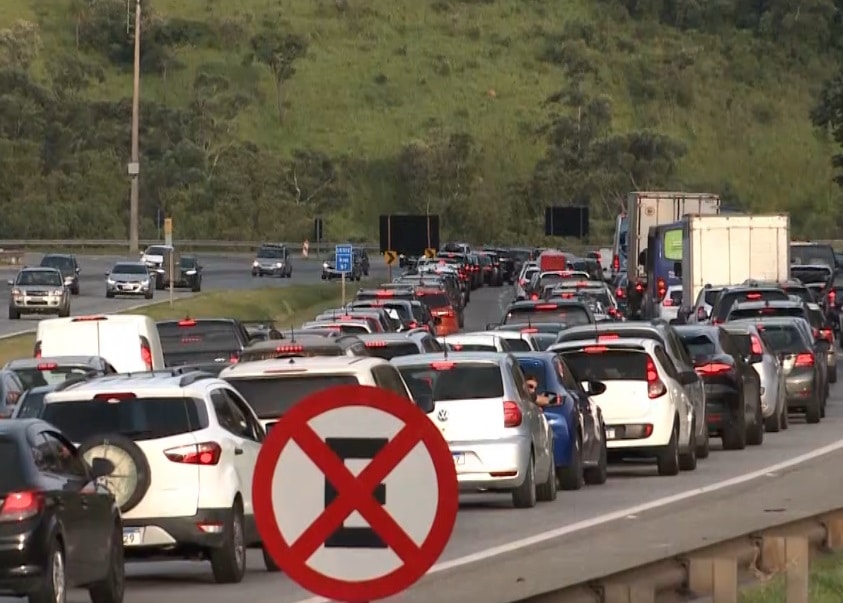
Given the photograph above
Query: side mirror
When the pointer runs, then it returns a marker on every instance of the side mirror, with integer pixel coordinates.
(677, 269)
(595, 388)
(425, 403)
(78, 270)
(755, 358)
(101, 467)
(107, 274)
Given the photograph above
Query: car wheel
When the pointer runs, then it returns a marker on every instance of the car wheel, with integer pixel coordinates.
(734, 431)
(572, 477)
(546, 492)
(111, 588)
(832, 374)
(813, 413)
(269, 562)
(596, 476)
(109, 294)
(773, 424)
(148, 294)
(755, 433)
(704, 448)
(688, 460)
(130, 485)
(228, 562)
(13, 314)
(51, 586)
(668, 459)
(64, 313)
(524, 496)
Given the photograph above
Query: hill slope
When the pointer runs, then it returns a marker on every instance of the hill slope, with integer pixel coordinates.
(408, 106)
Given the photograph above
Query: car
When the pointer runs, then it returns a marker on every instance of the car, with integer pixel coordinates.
(61, 527)
(305, 343)
(730, 296)
(189, 274)
(405, 343)
(329, 269)
(398, 309)
(765, 362)
(704, 304)
(498, 436)
(822, 331)
(647, 412)
(38, 291)
(518, 339)
(154, 255)
(130, 278)
(272, 259)
(67, 265)
(186, 444)
(35, 372)
(569, 312)
(669, 306)
(192, 340)
(475, 342)
(275, 386)
(347, 327)
(579, 431)
(732, 387)
(11, 389)
(768, 308)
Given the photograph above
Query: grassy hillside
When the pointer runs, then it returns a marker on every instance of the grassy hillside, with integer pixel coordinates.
(379, 74)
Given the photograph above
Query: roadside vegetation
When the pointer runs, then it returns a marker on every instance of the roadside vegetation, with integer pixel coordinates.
(258, 115)
(826, 584)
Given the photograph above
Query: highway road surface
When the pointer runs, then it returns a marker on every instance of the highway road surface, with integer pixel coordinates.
(499, 554)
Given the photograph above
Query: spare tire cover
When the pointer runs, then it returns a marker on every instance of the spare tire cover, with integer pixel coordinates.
(130, 479)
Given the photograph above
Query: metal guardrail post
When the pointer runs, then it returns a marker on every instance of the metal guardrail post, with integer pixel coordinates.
(798, 569)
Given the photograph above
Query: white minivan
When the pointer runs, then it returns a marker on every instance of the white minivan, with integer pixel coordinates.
(110, 336)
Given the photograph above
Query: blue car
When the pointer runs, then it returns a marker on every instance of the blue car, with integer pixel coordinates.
(577, 423)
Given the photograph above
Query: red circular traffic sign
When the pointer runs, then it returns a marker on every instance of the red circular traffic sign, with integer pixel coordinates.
(355, 493)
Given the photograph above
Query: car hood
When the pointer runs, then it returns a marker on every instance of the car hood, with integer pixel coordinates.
(126, 276)
(38, 287)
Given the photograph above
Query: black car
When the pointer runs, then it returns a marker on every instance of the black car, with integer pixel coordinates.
(570, 312)
(59, 528)
(190, 274)
(733, 295)
(202, 340)
(67, 265)
(732, 387)
(361, 259)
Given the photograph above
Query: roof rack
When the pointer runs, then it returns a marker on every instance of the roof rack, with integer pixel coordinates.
(194, 376)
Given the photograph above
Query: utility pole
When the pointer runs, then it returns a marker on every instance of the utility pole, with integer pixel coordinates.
(134, 165)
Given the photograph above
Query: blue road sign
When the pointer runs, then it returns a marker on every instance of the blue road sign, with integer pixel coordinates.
(343, 258)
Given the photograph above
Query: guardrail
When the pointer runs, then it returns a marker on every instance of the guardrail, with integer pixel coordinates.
(716, 573)
(244, 246)
(11, 257)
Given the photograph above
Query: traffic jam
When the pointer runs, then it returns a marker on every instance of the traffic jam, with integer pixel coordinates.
(698, 329)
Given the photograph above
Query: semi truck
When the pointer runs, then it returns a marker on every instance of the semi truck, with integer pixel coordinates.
(729, 249)
(646, 209)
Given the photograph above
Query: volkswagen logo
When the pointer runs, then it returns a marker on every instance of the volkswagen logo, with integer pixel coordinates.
(442, 415)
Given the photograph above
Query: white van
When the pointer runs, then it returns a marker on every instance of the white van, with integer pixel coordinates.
(106, 335)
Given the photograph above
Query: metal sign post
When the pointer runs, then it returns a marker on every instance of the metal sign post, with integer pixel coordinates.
(344, 257)
(389, 245)
(168, 240)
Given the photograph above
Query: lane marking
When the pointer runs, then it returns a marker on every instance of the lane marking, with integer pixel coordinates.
(585, 524)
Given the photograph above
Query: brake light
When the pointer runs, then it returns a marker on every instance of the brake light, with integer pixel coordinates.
(655, 386)
(713, 368)
(545, 307)
(19, 506)
(385, 293)
(567, 296)
(234, 358)
(289, 349)
(595, 349)
(827, 334)
(581, 284)
(639, 287)
(146, 353)
(87, 318)
(667, 303)
(616, 263)
(116, 396)
(442, 365)
(413, 324)
(530, 330)
(512, 416)
(206, 453)
(375, 344)
(701, 313)
(187, 322)
(756, 348)
(832, 297)
(620, 292)
(804, 360)
(534, 297)
(661, 288)
(753, 296)
(47, 366)
(608, 337)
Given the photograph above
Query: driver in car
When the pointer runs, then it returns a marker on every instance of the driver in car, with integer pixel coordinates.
(532, 387)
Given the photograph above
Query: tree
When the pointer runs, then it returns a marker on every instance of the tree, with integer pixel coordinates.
(279, 51)
(19, 45)
(828, 115)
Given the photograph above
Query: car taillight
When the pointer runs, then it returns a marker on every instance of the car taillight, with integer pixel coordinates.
(667, 302)
(146, 353)
(827, 334)
(36, 352)
(534, 297)
(18, 506)
(832, 297)
(661, 288)
(701, 313)
(639, 287)
(713, 368)
(616, 263)
(756, 345)
(512, 416)
(804, 360)
(655, 386)
(206, 453)
(234, 358)
(620, 292)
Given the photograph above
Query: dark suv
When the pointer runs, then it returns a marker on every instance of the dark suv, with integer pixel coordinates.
(67, 265)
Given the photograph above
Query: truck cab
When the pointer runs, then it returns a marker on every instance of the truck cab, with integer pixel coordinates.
(663, 265)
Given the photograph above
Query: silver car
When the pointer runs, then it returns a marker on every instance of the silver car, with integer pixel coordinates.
(823, 331)
(704, 304)
(38, 291)
(37, 372)
(129, 278)
(490, 421)
(272, 260)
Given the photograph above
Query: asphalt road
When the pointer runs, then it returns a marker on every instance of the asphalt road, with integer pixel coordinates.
(221, 271)
(498, 554)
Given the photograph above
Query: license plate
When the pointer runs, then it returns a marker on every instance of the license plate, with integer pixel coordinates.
(610, 433)
(459, 458)
(132, 536)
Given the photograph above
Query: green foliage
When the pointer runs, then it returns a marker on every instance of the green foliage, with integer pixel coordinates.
(257, 116)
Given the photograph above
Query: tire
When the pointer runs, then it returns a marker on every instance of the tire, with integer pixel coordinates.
(785, 418)
(688, 460)
(755, 432)
(64, 313)
(668, 459)
(112, 588)
(832, 374)
(524, 496)
(196, 288)
(596, 476)
(148, 294)
(547, 491)
(268, 562)
(813, 413)
(141, 466)
(109, 294)
(75, 290)
(773, 424)
(704, 449)
(159, 283)
(228, 562)
(572, 477)
(13, 314)
(52, 584)
(734, 433)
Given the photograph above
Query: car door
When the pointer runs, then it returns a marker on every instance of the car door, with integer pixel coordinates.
(684, 366)
(539, 426)
(587, 410)
(240, 440)
(685, 407)
(253, 435)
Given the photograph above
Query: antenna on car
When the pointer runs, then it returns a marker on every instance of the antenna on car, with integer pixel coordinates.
(445, 350)
(292, 334)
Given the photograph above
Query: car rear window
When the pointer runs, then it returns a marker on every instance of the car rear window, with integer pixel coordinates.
(675, 296)
(57, 261)
(543, 340)
(36, 377)
(13, 477)
(454, 380)
(784, 339)
(802, 293)
(812, 254)
(348, 329)
(519, 345)
(435, 300)
(768, 312)
(572, 316)
(699, 345)
(609, 365)
(810, 275)
(388, 351)
(136, 418)
(30, 405)
(406, 295)
(710, 296)
(198, 336)
(291, 351)
(272, 397)
(730, 298)
(472, 347)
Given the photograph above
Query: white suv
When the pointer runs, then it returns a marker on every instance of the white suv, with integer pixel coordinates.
(274, 386)
(184, 445)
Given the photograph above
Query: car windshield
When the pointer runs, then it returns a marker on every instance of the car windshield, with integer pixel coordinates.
(60, 262)
(784, 339)
(187, 263)
(49, 374)
(607, 365)
(454, 380)
(185, 336)
(810, 274)
(435, 300)
(271, 398)
(156, 250)
(13, 477)
(812, 254)
(472, 347)
(270, 252)
(544, 340)
(136, 418)
(129, 269)
(49, 278)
